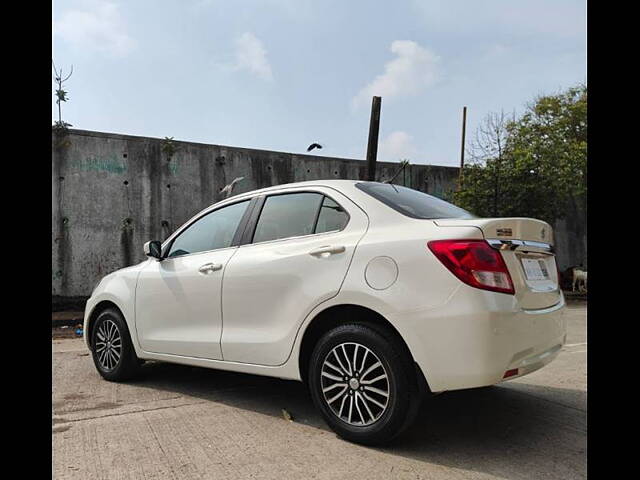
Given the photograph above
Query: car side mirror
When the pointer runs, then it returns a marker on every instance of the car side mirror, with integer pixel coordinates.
(153, 249)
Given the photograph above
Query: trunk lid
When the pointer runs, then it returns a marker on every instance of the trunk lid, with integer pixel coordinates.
(526, 245)
(506, 228)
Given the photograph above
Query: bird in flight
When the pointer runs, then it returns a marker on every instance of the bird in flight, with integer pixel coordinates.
(226, 191)
(312, 146)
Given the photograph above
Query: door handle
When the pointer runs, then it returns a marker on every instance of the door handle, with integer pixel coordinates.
(327, 249)
(210, 267)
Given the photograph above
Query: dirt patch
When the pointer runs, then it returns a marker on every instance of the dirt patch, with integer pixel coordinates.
(60, 428)
(56, 420)
(75, 396)
(97, 406)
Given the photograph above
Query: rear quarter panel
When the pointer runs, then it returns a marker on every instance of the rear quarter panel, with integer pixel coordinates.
(422, 286)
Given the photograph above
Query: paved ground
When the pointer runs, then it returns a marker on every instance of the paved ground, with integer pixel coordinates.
(183, 422)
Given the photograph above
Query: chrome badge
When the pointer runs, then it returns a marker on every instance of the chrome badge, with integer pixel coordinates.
(504, 232)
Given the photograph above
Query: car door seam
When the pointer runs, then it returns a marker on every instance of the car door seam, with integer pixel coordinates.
(224, 270)
(355, 248)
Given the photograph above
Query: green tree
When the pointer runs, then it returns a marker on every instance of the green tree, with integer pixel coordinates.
(533, 165)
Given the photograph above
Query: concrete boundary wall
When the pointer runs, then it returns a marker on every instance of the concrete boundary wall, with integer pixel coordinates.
(111, 193)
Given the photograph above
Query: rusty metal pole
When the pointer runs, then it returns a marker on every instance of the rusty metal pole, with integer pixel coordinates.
(464, 128)
(372, 145)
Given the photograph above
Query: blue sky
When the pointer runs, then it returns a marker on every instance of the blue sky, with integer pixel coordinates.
(281, 74)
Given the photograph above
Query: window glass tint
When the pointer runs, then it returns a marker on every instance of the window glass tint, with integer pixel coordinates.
(210, 232)
(411, 202)
(332, 217)
(289, 215)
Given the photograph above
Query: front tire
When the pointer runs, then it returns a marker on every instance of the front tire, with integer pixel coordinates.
(112, 350)
(362, 381)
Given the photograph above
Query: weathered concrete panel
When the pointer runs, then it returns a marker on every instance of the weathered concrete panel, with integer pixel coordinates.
(111, 193)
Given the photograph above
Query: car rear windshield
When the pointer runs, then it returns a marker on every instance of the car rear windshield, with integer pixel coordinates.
(412, 203)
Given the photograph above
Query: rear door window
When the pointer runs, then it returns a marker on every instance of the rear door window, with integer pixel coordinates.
(332, 217)
(287, 215)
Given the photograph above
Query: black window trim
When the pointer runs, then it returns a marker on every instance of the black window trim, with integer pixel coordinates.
(317, 215)
(235, 242)
(250, 230)
(250, 227)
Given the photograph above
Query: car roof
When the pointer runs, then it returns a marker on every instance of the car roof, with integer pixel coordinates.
(360, 199)
(345, 187)
(342, 186)
(337, 184)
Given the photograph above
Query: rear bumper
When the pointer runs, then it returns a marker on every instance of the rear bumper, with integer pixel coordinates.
(476, 336)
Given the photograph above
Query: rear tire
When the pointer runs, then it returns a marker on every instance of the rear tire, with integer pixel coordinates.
(112, 350)
(381, 407)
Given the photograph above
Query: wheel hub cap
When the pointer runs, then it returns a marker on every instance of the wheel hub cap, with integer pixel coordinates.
(108, 345)
(355, 384)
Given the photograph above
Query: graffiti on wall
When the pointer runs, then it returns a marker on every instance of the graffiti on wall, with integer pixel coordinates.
(109, 163)
(173, 166)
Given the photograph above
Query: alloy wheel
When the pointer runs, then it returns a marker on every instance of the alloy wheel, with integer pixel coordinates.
(108, 345)
(355, 384)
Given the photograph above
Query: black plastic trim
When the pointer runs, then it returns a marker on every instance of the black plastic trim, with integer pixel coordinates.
(244, 221)
(247, 235)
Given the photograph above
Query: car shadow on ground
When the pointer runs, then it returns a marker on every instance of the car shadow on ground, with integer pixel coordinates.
(510, 430)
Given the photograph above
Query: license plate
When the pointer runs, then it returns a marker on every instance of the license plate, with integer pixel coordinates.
(535, 269)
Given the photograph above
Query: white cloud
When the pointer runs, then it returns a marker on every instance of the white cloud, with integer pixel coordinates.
(252, 56)
(414, 69)
(397, 146)
(98, 27)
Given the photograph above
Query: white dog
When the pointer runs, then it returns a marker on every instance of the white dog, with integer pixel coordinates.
(580, 278)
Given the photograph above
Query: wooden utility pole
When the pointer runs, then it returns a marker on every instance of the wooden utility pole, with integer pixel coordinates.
(372, 145)
(464, 128)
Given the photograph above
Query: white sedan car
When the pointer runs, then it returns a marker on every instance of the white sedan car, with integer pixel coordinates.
(373, 294)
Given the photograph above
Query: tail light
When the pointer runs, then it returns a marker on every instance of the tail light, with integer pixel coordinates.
(474, 262)
(510, 373)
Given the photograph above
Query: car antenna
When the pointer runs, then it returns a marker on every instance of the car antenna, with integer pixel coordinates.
(403, 165)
